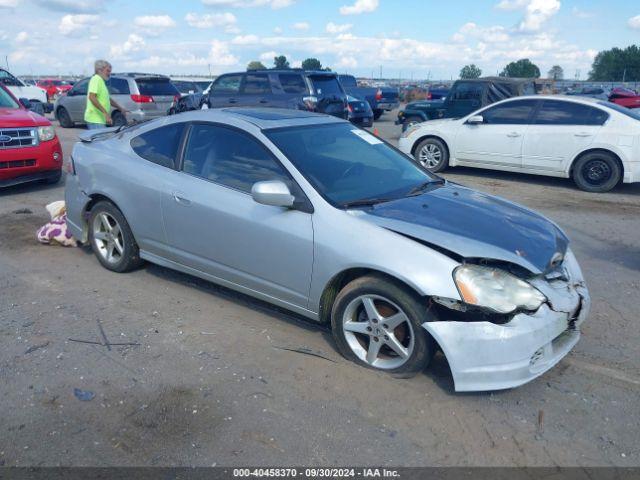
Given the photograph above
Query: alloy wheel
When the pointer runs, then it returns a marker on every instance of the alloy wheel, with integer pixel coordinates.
(378, 332)
(430, 155)
(108, 237)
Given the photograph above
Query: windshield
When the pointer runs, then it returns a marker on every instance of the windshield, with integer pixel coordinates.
(624, 110)
(346, 164)
(156, 86)
(6, 101)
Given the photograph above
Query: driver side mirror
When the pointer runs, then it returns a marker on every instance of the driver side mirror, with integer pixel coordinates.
(475, 120)
(272, 192)
(25, 103)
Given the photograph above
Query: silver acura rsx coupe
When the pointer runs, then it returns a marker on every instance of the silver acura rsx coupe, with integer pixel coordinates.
(314, 215)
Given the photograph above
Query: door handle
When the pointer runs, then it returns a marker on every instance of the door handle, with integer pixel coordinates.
(582, 134)
(513, 135)
(264, 101)
(179, 198)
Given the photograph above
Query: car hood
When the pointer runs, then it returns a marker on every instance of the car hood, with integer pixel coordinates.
(19, 117)
(472, 225)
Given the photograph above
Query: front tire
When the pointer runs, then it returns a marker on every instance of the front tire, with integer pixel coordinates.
(597, 172)
(111, 239)
(53, 180)
(432, 154)
(377, 323)
(64, 118)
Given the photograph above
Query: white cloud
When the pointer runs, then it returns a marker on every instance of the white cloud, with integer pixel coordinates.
(210, 20)
(157, 21)
(301, 26)
(274, 4)
(8, 3)
(634, 22)
(360, 6)
(581, 13)
(334, 28)
(495, 34)
(347, 63)
(511, 4)
(22, 37)
(267, 57)
(277, 30)
(537, 13)
(246, 40)
(75, 24)
(70, 6)
(134, 43)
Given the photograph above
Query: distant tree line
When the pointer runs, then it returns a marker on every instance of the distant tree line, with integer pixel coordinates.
(281, 63)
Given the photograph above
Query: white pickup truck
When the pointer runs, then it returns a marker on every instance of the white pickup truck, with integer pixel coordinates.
(22, 90)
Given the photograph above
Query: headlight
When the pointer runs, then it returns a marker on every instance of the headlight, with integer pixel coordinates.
(496, 289)
(410, 130)
(46, 133)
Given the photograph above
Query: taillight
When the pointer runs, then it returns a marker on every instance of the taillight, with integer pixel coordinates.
(142, 98)
(350, 108)
(429, 96)
(379, 95)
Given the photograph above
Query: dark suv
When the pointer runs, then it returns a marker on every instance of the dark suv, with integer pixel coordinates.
(293, 88)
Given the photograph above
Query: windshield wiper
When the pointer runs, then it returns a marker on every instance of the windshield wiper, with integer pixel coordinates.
(364, 202)
(424, 186)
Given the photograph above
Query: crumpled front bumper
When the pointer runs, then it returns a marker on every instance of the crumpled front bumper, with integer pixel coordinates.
(489, 356)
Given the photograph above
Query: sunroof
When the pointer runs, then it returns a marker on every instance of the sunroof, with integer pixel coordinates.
(270, 114)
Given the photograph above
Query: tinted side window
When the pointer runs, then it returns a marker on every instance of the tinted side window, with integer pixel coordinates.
(229, 157)
(118, 86)
(256, 84)
(326, 85)
(81, 87)
(227, 84)
(156, 86)
(292, 83)
(554, 112)
(159, 145)
(467, 91)
(511, 113)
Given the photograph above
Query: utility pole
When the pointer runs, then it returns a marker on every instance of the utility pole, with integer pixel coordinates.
(6, 59)
(624, 75)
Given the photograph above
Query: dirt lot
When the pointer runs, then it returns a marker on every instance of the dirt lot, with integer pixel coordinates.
(212, 382)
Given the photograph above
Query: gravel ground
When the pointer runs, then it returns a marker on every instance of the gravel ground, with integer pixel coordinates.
(211, 381)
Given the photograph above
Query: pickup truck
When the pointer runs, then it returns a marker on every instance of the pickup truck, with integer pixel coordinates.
(381, 99)
(465, 96)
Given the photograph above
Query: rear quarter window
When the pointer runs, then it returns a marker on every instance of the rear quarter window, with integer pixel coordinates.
(118, 86)
(293, 83)
(160, 145)
(156, 86)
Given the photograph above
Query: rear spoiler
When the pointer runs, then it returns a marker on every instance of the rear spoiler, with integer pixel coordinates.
(90, 135)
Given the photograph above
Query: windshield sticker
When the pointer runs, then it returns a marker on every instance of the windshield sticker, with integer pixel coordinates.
(367, 137)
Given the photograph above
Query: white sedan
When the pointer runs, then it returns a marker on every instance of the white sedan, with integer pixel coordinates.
(596, 143)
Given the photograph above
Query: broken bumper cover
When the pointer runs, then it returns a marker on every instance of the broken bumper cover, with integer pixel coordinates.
(489, 356)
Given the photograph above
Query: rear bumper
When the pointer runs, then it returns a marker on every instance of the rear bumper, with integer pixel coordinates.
(387, 106)
(365, 121)
(137, 116)
(486, 356)
(30, 164)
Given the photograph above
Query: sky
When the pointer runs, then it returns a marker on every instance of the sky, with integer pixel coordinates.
(416, 39)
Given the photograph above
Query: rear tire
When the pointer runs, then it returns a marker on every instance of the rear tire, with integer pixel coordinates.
(597, 172)
(64, 118)
(111, 239)
(432, 154)
(377, 114)
(377, 323)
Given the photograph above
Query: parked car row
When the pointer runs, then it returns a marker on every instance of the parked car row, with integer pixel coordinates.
(37, 96)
